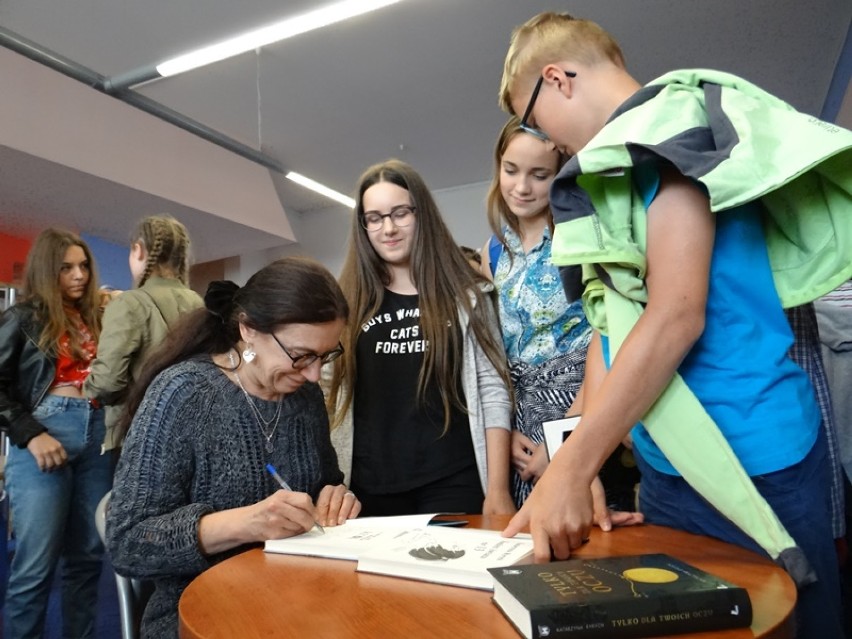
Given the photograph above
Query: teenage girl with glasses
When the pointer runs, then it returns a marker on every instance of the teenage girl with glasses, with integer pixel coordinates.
(422, 394)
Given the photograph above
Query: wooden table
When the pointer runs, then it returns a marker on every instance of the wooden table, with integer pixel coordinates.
(257, 594)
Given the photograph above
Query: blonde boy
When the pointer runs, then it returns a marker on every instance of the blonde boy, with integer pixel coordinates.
(653, 160)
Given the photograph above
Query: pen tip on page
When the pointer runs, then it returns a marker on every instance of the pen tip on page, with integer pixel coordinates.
(285, 486)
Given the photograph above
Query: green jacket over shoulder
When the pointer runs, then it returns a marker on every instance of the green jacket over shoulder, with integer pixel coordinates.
(740, 144)
(134, 324)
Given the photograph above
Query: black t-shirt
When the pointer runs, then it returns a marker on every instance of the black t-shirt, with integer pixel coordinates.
(398, 443)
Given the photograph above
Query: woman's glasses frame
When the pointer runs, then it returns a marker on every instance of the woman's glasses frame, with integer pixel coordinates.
(306, 359)
(400, 216)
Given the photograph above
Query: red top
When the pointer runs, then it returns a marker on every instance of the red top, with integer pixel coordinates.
(71, 371)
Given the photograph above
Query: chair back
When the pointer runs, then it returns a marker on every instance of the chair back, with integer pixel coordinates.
(133, 593)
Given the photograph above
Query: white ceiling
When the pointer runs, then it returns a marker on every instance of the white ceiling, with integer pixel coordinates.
(417, 80)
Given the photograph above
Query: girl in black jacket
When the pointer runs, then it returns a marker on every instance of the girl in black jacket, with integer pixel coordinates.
(55, 474)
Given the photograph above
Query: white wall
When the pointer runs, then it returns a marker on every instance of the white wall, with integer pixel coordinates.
(463, 209)
(324, 234)
(65, 122)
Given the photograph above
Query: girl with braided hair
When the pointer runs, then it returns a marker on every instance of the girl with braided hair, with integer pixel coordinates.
(136, 321)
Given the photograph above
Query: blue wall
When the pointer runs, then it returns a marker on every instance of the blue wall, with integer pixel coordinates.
(111, 262)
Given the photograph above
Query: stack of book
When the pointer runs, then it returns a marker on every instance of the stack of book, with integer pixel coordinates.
(408, 547)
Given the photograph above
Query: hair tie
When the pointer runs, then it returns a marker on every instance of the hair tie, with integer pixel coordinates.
(219, 299)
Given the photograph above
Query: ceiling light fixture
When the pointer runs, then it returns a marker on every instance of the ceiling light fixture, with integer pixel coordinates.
(316, 187)
(261, 37)
(273, 33)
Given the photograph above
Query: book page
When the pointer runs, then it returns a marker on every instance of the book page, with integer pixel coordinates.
(350, 539)
(443, 555)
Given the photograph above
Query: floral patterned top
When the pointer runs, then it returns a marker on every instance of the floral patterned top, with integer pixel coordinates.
(538, 322)
(71, 371)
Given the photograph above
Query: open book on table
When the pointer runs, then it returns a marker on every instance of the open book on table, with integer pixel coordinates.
(409, 547)
(446, 555)
(349, 540)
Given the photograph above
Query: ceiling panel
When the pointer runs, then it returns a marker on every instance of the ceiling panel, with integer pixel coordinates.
(417, 80)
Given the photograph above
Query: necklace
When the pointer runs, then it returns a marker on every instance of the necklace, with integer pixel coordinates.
(263, 424)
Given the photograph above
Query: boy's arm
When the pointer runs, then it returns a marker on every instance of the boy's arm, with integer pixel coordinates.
(681, 232)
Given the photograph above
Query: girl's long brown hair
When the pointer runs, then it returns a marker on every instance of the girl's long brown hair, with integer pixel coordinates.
(444, 280)
(499, 213)
(41, 288)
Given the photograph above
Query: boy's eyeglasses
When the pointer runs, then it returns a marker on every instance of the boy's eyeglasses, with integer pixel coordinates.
(400, 216)
(538, 133)
(303, 361)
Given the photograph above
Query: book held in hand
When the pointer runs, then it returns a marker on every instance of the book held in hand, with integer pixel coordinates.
(556, 432)
(635, 596)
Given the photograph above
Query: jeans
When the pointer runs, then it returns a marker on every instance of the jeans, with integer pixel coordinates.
(53, 516)
(799, 495)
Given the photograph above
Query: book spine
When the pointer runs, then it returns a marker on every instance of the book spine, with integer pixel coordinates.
(681, 613)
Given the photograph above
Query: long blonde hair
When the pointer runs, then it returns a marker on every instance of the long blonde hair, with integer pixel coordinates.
(445, 283)
(166, 242)
(41, 289)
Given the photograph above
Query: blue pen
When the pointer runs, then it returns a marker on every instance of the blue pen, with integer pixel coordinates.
(286, 486)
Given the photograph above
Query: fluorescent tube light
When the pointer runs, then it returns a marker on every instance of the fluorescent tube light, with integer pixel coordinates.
(288, 28)
(316, 187)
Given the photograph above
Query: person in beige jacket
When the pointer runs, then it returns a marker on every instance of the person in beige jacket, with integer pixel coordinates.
(136, 321)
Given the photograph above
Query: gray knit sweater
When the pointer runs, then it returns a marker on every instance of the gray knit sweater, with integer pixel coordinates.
(194, 448)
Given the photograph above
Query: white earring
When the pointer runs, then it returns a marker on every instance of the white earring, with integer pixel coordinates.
(249, 354)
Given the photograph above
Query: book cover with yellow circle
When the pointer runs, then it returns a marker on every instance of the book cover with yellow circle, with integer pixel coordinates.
(634, 596)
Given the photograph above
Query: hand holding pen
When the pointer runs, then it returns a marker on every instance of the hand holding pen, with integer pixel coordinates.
(280, 480)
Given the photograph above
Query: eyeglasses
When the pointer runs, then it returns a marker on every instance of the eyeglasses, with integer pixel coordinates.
(541, 135)
(400, 216)
(303, 361)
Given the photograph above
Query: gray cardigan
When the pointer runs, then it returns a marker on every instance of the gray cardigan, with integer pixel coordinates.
(488, 401)
(194, 449)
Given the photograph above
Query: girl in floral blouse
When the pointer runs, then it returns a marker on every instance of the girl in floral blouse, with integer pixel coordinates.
(545, 337)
